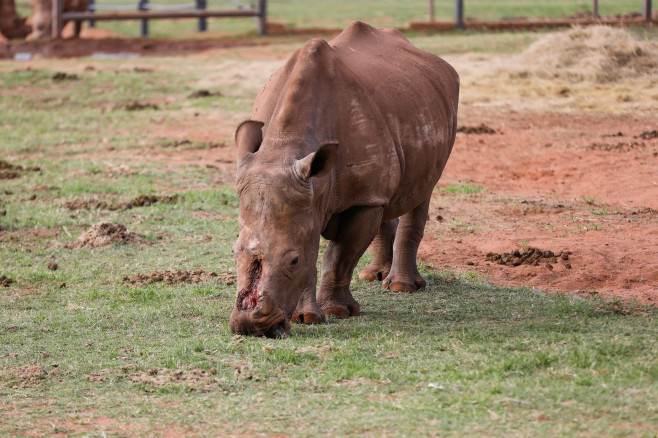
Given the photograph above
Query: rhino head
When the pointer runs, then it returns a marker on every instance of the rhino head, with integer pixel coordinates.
(281, 199)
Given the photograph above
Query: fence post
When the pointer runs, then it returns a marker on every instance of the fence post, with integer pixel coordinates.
(90, 8)
(459, 14)
(202, 23)
(431, 11)
(144, 25)
(56, 19)
(595, 8)
(262, 17)
(646, 10)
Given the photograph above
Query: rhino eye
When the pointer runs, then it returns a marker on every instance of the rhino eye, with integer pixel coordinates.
(294, 261)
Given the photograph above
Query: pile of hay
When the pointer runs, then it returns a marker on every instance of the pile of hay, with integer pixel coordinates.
(600, 54)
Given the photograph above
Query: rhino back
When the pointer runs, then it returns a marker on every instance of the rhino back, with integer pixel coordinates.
(391, 107)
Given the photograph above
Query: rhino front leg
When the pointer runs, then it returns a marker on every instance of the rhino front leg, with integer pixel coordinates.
(404, 275)
(307, 310)
(356, 229)
(382, 252)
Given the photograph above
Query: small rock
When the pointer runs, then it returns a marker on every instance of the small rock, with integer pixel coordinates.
(567, 265)
(549, 266)
(52, 266)
(3, 212)
(470, 263)
(439, 218)
(32, 197)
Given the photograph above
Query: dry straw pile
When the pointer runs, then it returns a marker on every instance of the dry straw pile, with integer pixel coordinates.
(598, 54)
(596, 68)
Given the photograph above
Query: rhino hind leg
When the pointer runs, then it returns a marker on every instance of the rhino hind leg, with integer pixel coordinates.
(382, 252)
(356, 229)
(404, 275)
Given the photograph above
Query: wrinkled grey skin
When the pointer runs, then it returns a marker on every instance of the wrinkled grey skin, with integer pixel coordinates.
(347, 141)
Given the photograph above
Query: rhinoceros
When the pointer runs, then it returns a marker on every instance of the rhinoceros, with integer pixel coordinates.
(346, 141)
(42, 16)
(11, 24)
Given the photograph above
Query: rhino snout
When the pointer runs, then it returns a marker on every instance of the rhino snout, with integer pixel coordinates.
(264, 320)
(255, 312)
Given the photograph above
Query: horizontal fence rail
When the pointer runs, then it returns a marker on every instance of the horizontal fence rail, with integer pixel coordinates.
(145, 11)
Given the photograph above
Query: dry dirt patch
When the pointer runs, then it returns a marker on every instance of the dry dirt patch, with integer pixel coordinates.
(21, 377)
(105, 234)
(194, 379)
(11, 171)
(97, 204)
(545, 187)
(198, 275)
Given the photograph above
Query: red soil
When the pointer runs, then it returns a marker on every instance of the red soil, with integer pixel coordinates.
(559, 182)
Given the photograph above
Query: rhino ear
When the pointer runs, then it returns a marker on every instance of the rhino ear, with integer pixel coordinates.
(318, 163)
(249, 136)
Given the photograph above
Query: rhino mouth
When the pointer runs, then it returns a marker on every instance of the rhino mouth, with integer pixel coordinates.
(255, 313)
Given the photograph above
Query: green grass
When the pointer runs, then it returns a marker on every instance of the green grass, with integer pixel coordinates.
(461, 358)
(466, 189)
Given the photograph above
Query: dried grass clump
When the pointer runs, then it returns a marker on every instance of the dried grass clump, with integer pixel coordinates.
(600, 54)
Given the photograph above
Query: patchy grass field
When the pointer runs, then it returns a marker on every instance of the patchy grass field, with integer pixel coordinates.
(85, 350)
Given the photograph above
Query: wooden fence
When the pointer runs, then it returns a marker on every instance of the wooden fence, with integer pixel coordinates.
(59, 17)
(459, 11)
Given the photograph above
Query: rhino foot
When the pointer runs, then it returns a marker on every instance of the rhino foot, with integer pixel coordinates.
(400, 283)
(308, 317)
(341, 310)
(374, 272)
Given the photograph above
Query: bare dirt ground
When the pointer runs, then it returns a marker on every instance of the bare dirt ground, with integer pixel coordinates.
(571, 166)
(584, 183)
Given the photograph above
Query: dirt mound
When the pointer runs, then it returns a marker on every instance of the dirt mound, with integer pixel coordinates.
(195, 379)
(21, 377)
(139, 106)
(196, 276)
(623, 146)
(480, 129)
(530, 256)
(105, 234)
(146, 200)
(96, 204)
(598, 54)
(649, 135)
(62, 76)
(11, 171)
(86, 204)
(5, 281)
(204, 93)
